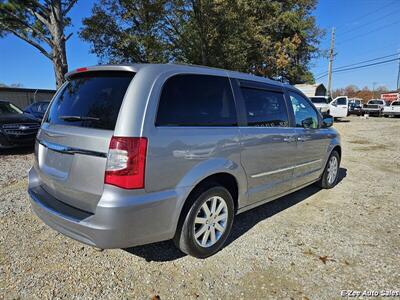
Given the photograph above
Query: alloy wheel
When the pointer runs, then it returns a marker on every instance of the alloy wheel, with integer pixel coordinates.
(210, 222)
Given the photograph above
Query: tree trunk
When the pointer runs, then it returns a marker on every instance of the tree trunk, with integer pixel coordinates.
(198, 11)
(59, 55)
(60, 65)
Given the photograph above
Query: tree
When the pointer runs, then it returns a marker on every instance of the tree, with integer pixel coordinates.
(352, 91)
(41, 24)
(268, 38)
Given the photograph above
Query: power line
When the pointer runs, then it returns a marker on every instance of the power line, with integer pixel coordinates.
(367, 33)
(370, 13)
(369, 22)
(361, 62)
(363, 66)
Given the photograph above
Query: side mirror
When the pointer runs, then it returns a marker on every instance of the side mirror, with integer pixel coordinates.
(307, 123)
(327, 121)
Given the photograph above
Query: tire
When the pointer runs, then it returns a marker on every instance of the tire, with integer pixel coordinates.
(327, 182)
(185, 238)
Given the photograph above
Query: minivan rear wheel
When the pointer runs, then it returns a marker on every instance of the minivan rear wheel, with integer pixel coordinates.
(330, 176)
(207, 224)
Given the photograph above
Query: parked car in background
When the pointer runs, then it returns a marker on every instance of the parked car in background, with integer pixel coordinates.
(135, 154)
(37, 109)
(321, 103)
(393, 110)
(355, 107)
(16, 128)
(339, 107)
(374, 107)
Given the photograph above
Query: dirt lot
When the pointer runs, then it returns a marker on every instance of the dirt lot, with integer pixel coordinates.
(309, 245)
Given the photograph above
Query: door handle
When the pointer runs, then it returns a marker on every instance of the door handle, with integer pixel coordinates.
(289, 139)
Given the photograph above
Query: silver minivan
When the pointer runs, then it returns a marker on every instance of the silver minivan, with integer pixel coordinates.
(134, 154)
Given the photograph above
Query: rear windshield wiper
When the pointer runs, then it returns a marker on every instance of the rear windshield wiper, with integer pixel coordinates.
(78, 118)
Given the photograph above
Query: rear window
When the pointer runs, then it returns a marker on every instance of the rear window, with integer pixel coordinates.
(8, 108)
(318, 100)
(196, 100)
(91, 99)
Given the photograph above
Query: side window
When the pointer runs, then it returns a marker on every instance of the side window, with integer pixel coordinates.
(305, 114)
(35, 107)
(196, 100)
(42, 108)
(341, 101)
(265, 108)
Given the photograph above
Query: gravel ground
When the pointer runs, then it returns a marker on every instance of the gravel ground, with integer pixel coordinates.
(308, 245)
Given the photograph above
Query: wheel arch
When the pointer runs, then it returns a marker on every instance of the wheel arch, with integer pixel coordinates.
(225, 179)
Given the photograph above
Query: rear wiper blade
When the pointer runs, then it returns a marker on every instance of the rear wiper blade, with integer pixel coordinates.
(78, 118)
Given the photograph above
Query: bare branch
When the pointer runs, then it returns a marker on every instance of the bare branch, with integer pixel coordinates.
(68, 8)
(28, 26)
(30, 41)
(39, 17)
(68, 36)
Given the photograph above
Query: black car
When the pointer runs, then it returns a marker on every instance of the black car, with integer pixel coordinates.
(355, 107)
(16, 127)
(37, 109)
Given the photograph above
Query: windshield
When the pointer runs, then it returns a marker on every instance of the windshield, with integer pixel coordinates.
(318, 100)
(9, 109)
(91, 99)
(375, 102)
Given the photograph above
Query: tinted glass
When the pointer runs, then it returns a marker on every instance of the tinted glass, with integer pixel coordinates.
(8, 108)
(395, 103)
(196, 100)
(303, 111)
(341, 101)
(90, 100)
(265, 108)
(376, 102)
(42, 107)
(34, 107)
(318, 100)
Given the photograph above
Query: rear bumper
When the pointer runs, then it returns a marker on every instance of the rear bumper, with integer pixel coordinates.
(391, 113)
(116, 223)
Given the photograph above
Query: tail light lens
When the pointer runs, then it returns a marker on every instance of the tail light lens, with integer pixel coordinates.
(126, 162)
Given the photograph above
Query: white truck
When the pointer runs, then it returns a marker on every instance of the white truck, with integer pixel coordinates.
(374, 107)
(339, 107)
(321, 103)
(393, 110)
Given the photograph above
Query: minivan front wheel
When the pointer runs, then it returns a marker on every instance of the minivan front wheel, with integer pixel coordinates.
(207, 224)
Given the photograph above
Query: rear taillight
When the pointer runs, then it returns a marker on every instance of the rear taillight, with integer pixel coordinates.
(126, 162)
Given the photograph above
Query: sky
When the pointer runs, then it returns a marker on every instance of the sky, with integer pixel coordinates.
(365, 29)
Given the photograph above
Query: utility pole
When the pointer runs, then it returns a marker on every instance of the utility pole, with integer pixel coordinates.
(373, 90)
(398, 76)
(331, 62)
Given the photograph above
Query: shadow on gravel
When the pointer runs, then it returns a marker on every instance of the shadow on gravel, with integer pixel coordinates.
(17, 151)
(166, 251)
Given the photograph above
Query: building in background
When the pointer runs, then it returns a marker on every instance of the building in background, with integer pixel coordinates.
(22, 97)
(390, 96)
(311, 90)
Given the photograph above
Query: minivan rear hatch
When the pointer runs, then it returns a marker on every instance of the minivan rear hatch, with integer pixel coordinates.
(72, 145)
